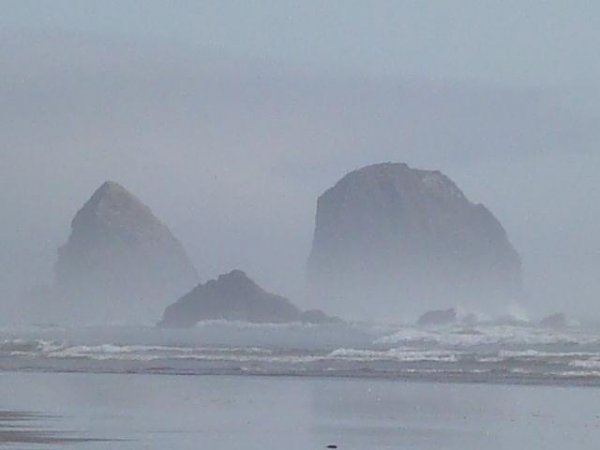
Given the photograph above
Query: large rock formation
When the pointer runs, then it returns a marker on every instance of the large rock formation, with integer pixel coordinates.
(391, 241)
(234, 296)
(120, 264)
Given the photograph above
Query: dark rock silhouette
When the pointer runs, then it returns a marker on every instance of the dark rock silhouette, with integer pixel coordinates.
(390, 241)
(317, 316)
(438, 317)
(234, 296)
(557, 321)
(120, 263)
(509, 320)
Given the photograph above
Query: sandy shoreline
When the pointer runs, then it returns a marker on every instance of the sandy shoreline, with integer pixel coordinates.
(143, 412)
(20, 427)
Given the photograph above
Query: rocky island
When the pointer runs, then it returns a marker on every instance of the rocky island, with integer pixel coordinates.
(438, 317)
(556, 321)
(120, 263)
(234, 296)
(391, 241)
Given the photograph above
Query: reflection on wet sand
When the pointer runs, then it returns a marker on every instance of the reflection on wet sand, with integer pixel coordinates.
(27, 427)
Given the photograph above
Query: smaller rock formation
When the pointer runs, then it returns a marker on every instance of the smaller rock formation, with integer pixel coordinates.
(234, 296)
(510, 320)
(438, 317)
(317, 316)
(556, 321)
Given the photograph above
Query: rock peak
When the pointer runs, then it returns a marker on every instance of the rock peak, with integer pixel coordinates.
(112, 209)
(109, 184)
(121, 256)
(235, 274)
(110, 189)
(236, 282)
(392, 173)
(234, 296)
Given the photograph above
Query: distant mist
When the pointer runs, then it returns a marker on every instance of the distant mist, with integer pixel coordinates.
(232, 154)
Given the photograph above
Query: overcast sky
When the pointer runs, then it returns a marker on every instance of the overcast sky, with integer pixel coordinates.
(230, 118)
(511, 42)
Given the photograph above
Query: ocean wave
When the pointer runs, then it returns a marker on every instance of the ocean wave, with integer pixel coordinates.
(406, 355)
(19, 346)
(586, 363)
(240, 324)
(105, 352)
(487, 335)
(480, 353)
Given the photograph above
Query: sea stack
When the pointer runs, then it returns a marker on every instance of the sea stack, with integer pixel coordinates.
(120, 263)
(234, 296)
(391, 242)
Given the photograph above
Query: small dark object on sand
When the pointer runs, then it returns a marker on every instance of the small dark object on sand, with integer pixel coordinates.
(332, 446)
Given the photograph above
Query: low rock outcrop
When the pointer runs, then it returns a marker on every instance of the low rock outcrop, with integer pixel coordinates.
(556, 321)
(438, 317)
(234, 296)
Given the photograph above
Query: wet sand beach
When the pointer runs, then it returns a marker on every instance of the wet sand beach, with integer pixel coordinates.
(22, 427)
(135, 412)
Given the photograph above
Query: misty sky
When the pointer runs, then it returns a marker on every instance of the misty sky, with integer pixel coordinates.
(509, 42)
(229, 119)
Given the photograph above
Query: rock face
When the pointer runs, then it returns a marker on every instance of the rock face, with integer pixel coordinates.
(234, 296)
(556, 321)
(391, 241)
(438, 317)
(120, 263)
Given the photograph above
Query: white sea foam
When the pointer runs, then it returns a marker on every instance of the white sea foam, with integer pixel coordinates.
(483, 351)
(19, 346)
(586, 363)
(405, 355)
(105, 352)
(486, 335)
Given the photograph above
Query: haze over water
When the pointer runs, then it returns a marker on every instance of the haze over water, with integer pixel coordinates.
(229, 120)
(219, 115)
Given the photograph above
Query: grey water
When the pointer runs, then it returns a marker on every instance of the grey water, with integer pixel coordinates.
(294, 386)
(488, 353)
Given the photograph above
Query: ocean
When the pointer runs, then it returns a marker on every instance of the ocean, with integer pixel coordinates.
(242, 386)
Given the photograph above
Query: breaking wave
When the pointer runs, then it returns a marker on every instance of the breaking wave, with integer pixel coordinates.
(484, 353)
